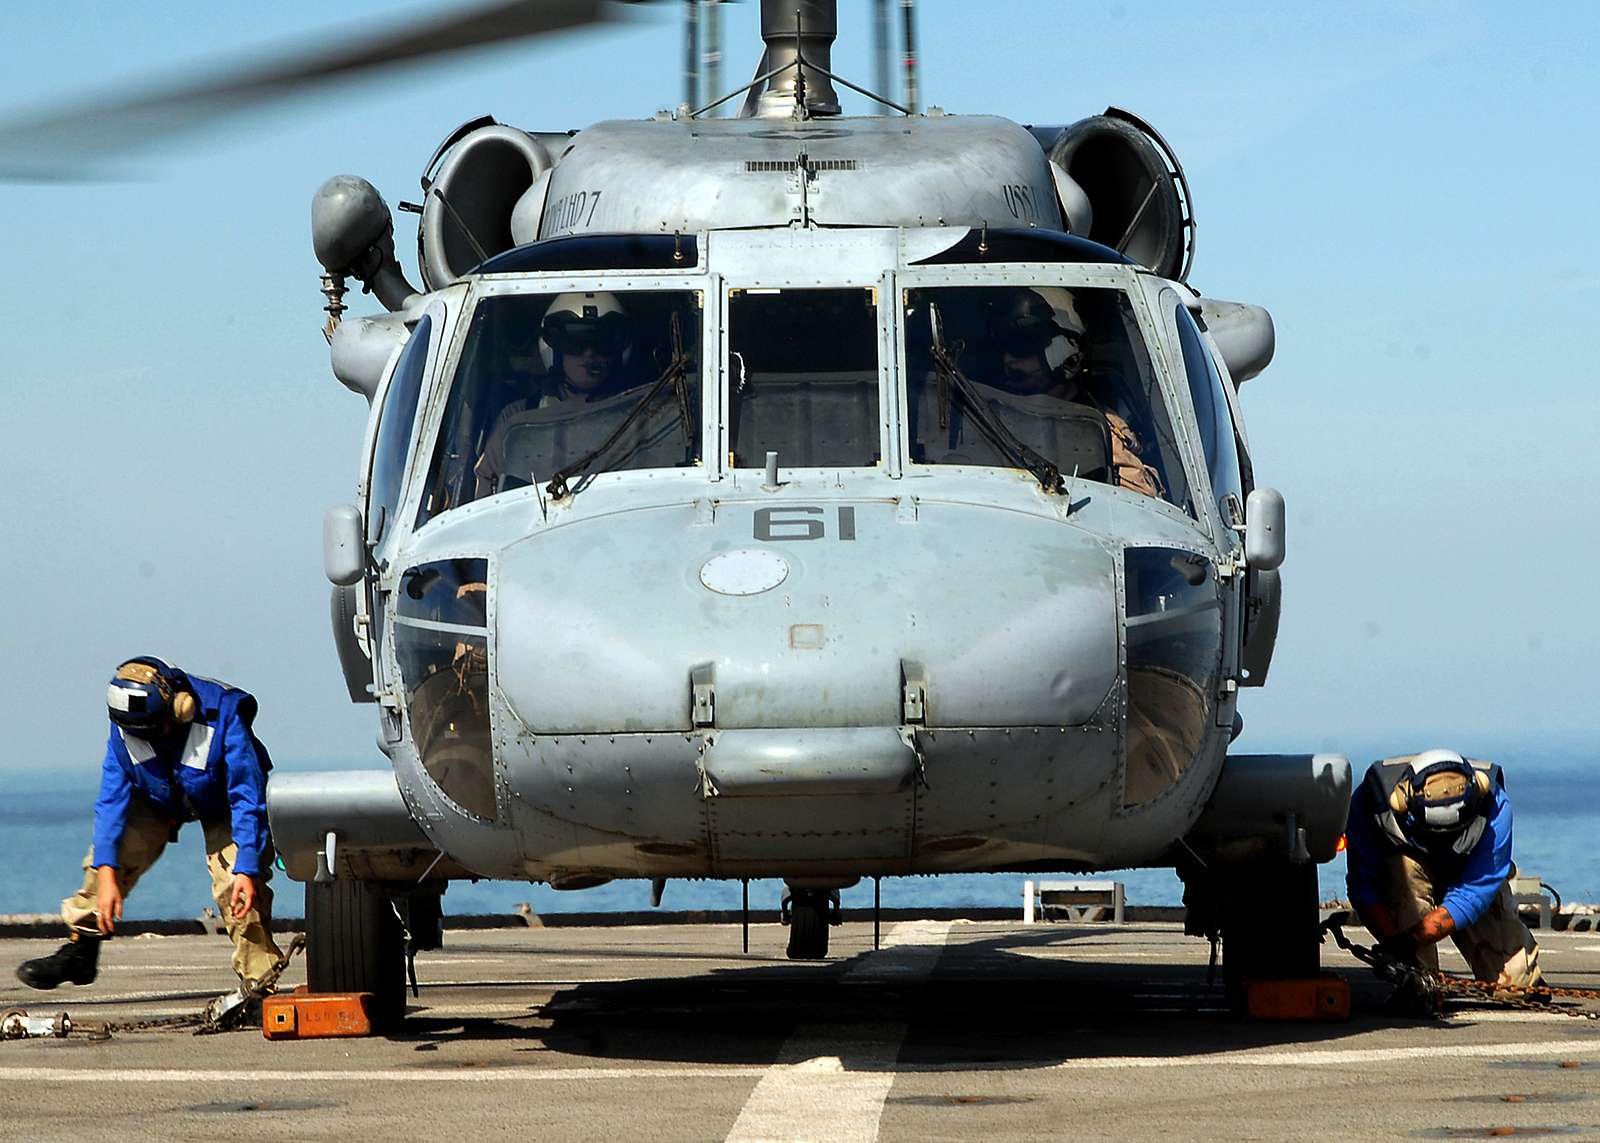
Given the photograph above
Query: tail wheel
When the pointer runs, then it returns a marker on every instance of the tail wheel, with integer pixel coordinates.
(1270, 927)
(354, 943)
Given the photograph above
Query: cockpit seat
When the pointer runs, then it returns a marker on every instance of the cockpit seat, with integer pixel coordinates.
(1075, 437)
(529, 446)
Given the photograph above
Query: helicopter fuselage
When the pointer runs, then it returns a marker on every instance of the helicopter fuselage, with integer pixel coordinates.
(885, 668)
(801, 497)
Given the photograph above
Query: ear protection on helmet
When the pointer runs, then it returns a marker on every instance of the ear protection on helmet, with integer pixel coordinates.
(1400, 796)
(177, 693)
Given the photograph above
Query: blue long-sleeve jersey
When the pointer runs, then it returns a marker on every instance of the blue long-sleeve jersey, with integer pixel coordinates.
(217, 772)
(1473, 879)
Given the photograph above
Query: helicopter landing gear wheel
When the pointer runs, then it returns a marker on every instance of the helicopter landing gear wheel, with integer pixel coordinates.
(354, 943)
(1270, 927)
(810, 912)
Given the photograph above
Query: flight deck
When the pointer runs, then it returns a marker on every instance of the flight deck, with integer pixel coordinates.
(952, 1030)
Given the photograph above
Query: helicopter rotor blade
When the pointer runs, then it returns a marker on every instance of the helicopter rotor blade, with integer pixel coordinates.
(69, 144)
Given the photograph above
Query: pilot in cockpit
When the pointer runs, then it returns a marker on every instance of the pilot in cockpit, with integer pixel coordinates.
(1042, 349)
(585, 344)
(585, 341)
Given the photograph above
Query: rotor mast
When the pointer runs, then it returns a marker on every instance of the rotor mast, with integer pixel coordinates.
(794, 31)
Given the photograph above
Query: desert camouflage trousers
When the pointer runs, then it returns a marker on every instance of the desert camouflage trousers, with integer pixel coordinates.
(1497, 945)
(144, 838)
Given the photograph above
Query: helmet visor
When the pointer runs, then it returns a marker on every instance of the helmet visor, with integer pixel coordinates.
(1029, 341)
(567, 332)
(1026, 326)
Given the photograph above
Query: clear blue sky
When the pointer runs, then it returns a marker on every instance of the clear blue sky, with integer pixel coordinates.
(1407, 186)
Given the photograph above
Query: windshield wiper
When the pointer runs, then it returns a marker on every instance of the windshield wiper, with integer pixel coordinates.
(949, 374)
(676, 374)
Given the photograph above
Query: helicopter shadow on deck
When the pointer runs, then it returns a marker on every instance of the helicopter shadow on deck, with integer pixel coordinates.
(992, 1003)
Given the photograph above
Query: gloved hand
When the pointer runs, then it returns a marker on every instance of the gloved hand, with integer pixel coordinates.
(1402, 947)
(1415, 997)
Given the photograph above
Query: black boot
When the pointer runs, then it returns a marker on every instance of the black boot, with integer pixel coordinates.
(77, 961)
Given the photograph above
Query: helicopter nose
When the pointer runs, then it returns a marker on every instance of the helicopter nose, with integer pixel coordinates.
(998, 619)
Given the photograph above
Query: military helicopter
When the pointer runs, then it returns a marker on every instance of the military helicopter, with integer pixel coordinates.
(796, 495)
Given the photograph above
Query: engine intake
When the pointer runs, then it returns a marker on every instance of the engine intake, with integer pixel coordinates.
(467, 216)
(1135, 186)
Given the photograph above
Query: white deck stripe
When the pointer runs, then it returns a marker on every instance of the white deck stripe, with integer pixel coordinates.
(823, 1086)
(827, 1070)
(351, 1075)
(1335, 1058)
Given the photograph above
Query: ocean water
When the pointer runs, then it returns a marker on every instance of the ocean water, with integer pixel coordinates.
(45, 825)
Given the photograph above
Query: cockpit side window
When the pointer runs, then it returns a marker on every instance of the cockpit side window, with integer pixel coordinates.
(1211, 411)
(573, 384)
(395, 422)
(803, 377)
(1000, 375)
(1173, 656)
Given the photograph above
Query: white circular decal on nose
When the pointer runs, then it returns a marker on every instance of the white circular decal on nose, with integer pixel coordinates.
(748, 571)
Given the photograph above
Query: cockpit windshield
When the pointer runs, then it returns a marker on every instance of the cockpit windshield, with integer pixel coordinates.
(557, 387)
(803, 369)
(1047, 378)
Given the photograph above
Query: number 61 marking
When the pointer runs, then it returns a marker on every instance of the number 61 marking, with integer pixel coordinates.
(802, 522)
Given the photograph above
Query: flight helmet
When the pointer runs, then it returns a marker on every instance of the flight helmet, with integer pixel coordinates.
(1441, 795)
(1042, 320)
(146, 696)
(576, 321)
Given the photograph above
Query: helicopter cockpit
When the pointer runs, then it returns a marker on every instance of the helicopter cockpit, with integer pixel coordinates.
(1039, 377)
(564, 377)
(803, 377)
(559, 380)
(551, 384)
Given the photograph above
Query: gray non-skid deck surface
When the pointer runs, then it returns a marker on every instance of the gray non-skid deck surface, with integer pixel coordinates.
(953, 1031)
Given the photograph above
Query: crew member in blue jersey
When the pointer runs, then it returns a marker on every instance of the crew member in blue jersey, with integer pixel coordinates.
(1429, 850)
(181, 749)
